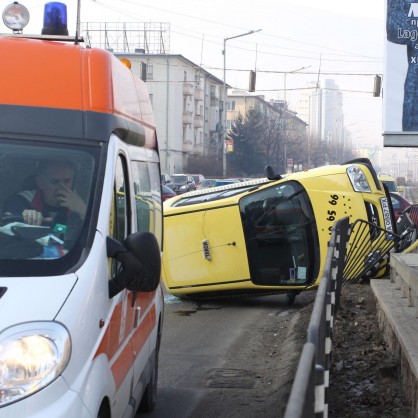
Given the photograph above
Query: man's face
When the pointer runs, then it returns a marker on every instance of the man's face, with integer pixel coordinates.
(53, 181)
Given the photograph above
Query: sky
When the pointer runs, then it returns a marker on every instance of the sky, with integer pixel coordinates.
(297, 42)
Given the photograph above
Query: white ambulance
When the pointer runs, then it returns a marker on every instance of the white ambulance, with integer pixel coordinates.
(81, 305)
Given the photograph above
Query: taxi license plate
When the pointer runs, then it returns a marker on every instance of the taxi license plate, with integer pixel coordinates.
(386, 214)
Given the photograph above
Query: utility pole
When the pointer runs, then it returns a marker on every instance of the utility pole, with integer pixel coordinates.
(225, 99)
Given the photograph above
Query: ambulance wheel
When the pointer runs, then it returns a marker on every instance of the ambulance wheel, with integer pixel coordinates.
(149, 398)
(290, 298)
(104, 410)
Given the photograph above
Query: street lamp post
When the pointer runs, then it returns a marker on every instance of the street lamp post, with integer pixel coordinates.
(284, 80)
(224, 97)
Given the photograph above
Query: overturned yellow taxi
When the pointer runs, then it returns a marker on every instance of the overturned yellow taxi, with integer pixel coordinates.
(268, 234)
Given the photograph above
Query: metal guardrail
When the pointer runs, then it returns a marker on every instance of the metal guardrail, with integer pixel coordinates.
(308, 397)
(355, 252)
(407, 227)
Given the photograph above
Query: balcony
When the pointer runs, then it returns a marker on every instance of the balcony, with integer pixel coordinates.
(216, 128)
(214, 101)
(198, 121)
(187, 118)
(199, 94)
(188, 89)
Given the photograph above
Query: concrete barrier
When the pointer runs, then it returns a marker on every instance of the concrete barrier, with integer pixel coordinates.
(397, 313)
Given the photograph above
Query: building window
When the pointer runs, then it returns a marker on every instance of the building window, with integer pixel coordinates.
(230, 105)
(212, 91)
(150, 72)
(185, 76)
(151, 99)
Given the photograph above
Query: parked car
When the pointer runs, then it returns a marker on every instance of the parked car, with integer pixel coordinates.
(207, 183)
(399, 204)
(167, 192)
(198, 178)
(224, 182)
(167, 180)
(389, 181)
(183, 183)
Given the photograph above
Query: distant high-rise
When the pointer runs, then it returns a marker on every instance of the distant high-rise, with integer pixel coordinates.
(321, 107)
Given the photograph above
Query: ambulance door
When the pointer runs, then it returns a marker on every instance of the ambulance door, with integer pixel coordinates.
(143, 213)
(122, 322)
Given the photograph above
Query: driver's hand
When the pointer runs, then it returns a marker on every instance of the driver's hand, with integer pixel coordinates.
(69, 199)
(32, 217)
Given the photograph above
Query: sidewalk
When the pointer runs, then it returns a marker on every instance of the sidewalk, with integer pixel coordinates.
(398, 320)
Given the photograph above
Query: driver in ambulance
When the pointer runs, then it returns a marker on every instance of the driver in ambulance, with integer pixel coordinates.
(53, 201)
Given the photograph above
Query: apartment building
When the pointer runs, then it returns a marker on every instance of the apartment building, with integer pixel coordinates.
(188, 103)
(240, 102)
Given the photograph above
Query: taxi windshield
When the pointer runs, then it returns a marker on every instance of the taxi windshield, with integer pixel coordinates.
(281, 235)
(45, 196)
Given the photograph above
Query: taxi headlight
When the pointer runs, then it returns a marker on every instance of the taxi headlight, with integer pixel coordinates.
(358, 179)
(184, 187)
(32, 355)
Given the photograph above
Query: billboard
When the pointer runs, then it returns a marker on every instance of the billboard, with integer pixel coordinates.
(400, 88)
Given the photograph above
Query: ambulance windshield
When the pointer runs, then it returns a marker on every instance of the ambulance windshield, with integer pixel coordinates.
(45, 195)
(281, 236)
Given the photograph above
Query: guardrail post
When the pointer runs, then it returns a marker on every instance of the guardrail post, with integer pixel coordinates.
(320, 332)
(319, 391)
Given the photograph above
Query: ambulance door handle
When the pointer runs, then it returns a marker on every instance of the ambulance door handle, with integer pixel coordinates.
(137, 315)
(133, 299)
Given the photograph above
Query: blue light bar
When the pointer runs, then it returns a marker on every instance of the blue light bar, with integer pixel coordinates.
(55, 19)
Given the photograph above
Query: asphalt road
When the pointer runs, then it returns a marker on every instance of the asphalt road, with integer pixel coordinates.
(216, 356)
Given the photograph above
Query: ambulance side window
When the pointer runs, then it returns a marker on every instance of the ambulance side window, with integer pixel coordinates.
(121, 226)
(155, 178)
(143, 196)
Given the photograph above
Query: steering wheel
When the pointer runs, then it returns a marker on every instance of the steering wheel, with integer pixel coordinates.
(7, 219)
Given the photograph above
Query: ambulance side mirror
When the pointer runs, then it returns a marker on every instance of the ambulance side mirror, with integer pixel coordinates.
(140, 258)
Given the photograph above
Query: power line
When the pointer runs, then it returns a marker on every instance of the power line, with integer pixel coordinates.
(374, 59)
(371, 73)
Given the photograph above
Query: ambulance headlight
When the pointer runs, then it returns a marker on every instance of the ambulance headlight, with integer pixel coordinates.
(32, 355)
(358, 179)
(15, 16)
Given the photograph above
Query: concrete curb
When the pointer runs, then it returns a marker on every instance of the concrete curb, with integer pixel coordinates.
(399, 325)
